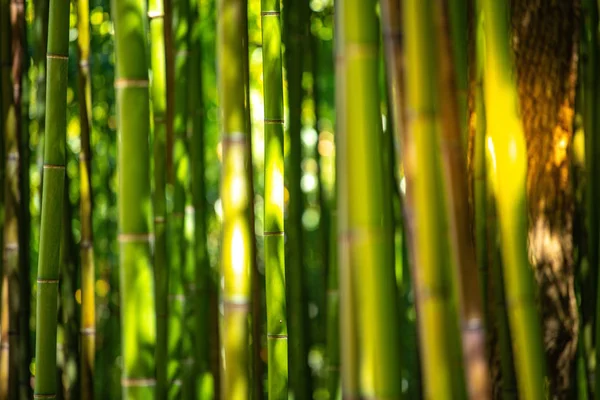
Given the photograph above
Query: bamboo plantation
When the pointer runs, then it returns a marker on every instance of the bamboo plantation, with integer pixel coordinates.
(287, 199)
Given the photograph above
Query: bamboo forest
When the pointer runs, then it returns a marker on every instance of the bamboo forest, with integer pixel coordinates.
(300, 199)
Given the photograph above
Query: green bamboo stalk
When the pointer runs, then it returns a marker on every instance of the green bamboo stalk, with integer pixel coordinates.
(452, 136)
(86, 247)
(441, 373)
(277, 330)
(21, 102)
(236, 198)
(8, 340)
(348, 320)
(200, 322)
(159, 111)
(367, 230)
(178, 246)
(299, 373)
(257, 372)
(53, 176)
(507, 141)
(138, 315)
(333, 313)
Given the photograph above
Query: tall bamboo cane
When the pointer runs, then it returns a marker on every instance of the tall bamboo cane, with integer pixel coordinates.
(300, 384)
(178, 246)
(507, 139)
(348, 320)
(159, 110)
(54, 175)
(236, 199)
(200, 323)
(21, 103)
(441, 377)
(138, 318)
(452, 136)
(8, 290)
(88, 315)
(277, 331)
(365, 232)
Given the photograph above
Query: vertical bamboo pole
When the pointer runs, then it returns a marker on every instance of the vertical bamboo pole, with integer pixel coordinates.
(86, 247)
(138, 315)
(236, 197)
(507, 140)
(8, 350)
(367, 230)
(156, 16)
(299, 373)
(441, 377)
(52, 200)
(277, 330)
(452, 138)
(348, 320)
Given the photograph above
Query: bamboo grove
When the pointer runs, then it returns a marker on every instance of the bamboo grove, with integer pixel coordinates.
(325, 199)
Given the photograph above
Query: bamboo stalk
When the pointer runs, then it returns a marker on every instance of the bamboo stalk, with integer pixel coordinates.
(9, 289)
(138, 314)
(52, 199)
(21, 102)
(367, 230)
(463, 248)
(275, 270)
(236, 197)
(441, 373)
(348, 320)
(507, 141)
(201, 321)
(299, 373)
(257, 372)
(86, 247)
(159, 112)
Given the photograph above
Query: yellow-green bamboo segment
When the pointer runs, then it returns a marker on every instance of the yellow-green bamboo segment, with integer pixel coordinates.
(277, 330)
(507, 140)
(86, 248)
(442, 374)
(200, 324)
(348, 330)
(365, 230)
(236, 198)
(463, 248)
(9, 290)
(138, 318)
(156, 17)
(52, 197)
(300, 384)
(179, 191)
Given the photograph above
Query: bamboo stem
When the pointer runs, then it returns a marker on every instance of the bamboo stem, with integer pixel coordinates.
(507, 143)
(277, 329)
(138, 313)
(236, 197)
(52, 200)
(88, 281)
(156, 16)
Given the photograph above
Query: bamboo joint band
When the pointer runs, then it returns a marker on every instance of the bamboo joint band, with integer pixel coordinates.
(361, 50)
(44, 396)
(123, 83)
(135, 237)
(277, 233)
(276, 336)
(138, 382)
(57, 57)
(234, 137)
(273, 121)
(53, 166)
(155, 14)
(49, 281)
(270, 13)
(87, 332)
